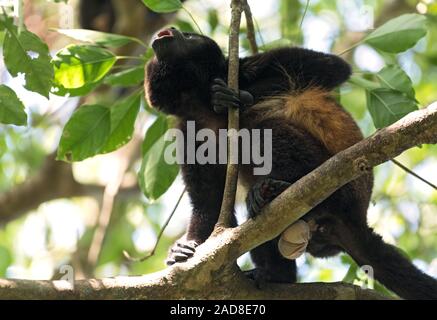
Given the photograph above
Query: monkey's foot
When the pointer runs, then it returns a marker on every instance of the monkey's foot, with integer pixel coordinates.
(224, 97)
(181, 251)
(264, 192)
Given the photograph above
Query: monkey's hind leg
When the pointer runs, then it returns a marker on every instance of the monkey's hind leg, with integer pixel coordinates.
(270, 265)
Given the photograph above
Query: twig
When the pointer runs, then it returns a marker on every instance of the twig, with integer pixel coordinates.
(192, 18)
(251, 35)
(233, 119)
(161, 232)
(409, 171)
(304, 14)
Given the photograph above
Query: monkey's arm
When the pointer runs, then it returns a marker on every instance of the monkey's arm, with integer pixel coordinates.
(280, 70)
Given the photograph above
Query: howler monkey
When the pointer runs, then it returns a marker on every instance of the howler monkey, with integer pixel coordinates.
(286, 90)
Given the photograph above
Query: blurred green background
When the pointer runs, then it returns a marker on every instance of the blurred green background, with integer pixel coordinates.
(60, 220)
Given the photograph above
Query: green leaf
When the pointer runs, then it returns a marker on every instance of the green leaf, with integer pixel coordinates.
(85, 133)
(399, 34)
(123, 116)
(126, 78)
(11, 108)
(155, 131)
(59, 90)
(387, 106)
(393, 77)
(156, 175)
(96, 37)
(163, 5)
(77, 66)
(26, 53)
(184, 26)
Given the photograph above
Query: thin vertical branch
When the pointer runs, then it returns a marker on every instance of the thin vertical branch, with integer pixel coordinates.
(233, 119)
(251, 35)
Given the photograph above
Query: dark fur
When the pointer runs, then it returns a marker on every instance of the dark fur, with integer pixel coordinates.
(179, 83)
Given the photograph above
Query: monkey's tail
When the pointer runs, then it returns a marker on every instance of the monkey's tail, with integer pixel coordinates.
(390, 267)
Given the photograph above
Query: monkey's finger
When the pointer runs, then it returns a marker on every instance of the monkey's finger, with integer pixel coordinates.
(170, 262)
(225, 104)
(225, 90)
(191, 245)
(220, 109)
(220, 82)
(187, 252)
(180, 257)
(220, 96)
(246, 98)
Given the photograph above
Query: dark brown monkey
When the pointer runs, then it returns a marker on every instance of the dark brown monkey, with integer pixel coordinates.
(288, 91)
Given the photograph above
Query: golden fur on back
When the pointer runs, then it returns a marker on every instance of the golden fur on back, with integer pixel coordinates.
(316, 111)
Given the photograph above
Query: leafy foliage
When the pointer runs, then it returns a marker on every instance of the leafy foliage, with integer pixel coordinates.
(387, 106)
(11, 108)
(85, 133)
(156, 175)
(399, 34)
(393, 77)
(163, 5)
(98, 38)
(123, 116)
(127, 78)
(25, 53)
(78, 66)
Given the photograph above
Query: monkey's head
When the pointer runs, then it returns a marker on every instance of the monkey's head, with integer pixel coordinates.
(184, 66)
(173, 46)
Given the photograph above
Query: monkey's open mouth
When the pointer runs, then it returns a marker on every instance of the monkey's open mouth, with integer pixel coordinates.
(165, 34)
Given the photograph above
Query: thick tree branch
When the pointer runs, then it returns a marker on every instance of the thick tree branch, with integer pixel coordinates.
(160, 286)
(208, 275)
